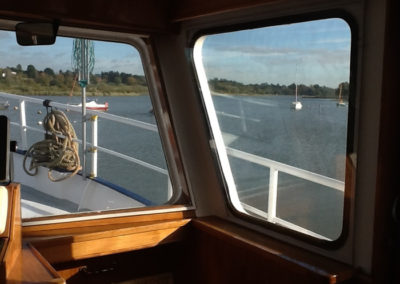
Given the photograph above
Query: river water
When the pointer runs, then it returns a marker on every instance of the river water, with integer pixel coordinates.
(313, 139)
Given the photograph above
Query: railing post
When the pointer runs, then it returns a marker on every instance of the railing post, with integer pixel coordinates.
(22, 118)
(272, 194)
(93, 150)
(242, 117)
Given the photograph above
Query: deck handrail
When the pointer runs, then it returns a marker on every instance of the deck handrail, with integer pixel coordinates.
(297, 172)
(274, 166)
(77, 109)
(74, 108)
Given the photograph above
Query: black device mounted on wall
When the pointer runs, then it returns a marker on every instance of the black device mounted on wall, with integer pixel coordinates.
(5, 158)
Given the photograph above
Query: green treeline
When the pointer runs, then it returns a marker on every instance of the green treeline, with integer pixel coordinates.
(31, 81)
(232, 87)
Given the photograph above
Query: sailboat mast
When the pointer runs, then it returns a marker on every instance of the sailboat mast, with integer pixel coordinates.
(296, 92)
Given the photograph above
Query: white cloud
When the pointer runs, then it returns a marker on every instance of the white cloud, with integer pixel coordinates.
(260, 65)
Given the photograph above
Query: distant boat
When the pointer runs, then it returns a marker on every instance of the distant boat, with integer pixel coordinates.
(93, 105)
(340, 101)
(4, 105)
(296, 105)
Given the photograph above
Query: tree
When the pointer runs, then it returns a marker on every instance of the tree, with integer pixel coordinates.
(131, 81)
(31, 71)
(49, 71)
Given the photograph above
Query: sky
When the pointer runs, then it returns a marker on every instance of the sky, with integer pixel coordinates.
(109, 56)
(315, 52)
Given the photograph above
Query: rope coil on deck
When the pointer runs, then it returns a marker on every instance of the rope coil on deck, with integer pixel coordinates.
(58, 151)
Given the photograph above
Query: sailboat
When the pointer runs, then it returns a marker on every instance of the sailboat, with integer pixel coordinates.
(340, 99)
(296, 105)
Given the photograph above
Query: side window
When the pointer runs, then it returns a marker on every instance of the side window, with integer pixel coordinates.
(277, 100)
(122, 163)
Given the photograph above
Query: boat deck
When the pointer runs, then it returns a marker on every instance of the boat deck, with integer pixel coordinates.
(35, 203)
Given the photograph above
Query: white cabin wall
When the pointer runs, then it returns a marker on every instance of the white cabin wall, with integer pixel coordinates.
(370, 80)
(273, 11)
(190, 124)
(192, 133)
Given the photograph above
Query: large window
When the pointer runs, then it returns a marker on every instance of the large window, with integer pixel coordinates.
(277, 100)
(122, 156)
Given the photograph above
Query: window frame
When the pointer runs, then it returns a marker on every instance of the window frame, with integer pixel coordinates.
(350, 168)
(172, 154)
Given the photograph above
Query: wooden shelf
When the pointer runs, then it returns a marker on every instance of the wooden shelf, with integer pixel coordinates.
(105, 240)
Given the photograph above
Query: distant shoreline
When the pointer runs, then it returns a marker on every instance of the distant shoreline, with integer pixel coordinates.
(272, 95)
(75, 94)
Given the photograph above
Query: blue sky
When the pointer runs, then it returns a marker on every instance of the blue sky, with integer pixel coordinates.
(316, 52)
(109, 56)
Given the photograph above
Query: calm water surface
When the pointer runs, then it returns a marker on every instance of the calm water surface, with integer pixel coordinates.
(313, 139)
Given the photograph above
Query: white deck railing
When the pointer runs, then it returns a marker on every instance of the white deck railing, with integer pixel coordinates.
(91, 118)
(273, 166)
(274, 169)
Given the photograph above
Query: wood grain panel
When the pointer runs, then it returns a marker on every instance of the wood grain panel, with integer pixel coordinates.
(169, 259)
(184, 10)
(134, 15)
(31, 267)
(225, 252)
(110, 241)
(101, 224)
(14, 230)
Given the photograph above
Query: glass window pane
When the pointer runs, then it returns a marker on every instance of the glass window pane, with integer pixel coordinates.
(124, 155)
(277, 99)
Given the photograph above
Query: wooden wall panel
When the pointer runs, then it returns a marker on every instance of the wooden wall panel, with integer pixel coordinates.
(386, 254)
(110, 241)
(31, 267)
(129, 15)
(226, 253)
(184, 9)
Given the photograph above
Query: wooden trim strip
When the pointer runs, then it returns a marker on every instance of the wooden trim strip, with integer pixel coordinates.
(13, 249)
(97, 224)
(104, 214)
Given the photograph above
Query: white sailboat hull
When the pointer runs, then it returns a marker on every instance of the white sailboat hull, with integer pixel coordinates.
(297, 106)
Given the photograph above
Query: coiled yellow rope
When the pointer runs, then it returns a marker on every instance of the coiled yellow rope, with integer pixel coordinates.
(58, 151)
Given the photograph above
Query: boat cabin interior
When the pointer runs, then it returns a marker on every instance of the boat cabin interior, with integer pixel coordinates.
(242, 141)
